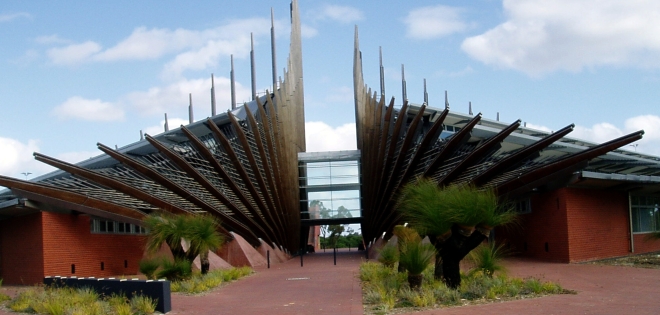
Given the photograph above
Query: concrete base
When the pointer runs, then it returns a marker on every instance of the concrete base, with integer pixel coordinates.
(215, 262)
(239, 253)
(375, 248)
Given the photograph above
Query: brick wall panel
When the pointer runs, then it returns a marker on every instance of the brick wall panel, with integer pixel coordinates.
(642, 245)
(68, 240)
(545, 224)
(22, 250)
(598, 224)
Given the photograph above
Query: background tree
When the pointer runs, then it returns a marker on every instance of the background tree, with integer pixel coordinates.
(456, 219)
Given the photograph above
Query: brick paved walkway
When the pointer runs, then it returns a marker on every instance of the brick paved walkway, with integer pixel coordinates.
(319, 287)
(602, 290)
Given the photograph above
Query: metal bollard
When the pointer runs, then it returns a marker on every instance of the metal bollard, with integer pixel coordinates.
(268, 258)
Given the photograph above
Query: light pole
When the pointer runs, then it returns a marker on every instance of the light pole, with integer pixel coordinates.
(26, 175)
(634, 146)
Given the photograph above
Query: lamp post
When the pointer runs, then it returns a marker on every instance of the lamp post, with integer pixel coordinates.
(26, 175)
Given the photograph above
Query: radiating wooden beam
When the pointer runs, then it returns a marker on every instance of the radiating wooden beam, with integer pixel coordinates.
(520, 155)
(452, 144)
(479, 153)
(240, 169)
(204, 182)
(75, 201)
(548, 169)
(204, 151)
(182, 192)
(111, 183)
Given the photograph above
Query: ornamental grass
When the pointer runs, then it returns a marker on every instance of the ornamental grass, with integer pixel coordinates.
(66, 300)
(385, 289)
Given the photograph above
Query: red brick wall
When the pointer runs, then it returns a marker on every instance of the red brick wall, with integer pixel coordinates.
(642, 245)
(68, 240)
(545, 224)
(22, 250)
(598, 224)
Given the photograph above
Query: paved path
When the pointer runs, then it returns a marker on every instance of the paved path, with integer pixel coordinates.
(319, 287)
(602, 290)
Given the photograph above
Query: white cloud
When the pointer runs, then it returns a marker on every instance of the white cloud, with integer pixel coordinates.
(321, 137)
(79, 108)
(13, 16)
(603, 132)
(74, 53)
(174, 97)
(17, 158)
(342, 14)
(307, 31)
(550, 35)
(206, 56)
(538, 127)
(172, 123)
(433, 22)
(79, 156)
(51, 39)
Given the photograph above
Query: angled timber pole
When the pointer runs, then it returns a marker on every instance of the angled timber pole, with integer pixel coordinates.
(204, 182)
(111, 183)
(256, 168)
(252, 208)
(520, 155)
(478, 153)
(238, 166)
(266, 159)
(75, 201)
(452, 144)
(184, 193)
(556, 166)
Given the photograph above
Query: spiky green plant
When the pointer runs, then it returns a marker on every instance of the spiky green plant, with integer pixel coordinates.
(488, 258)
(148, 267)
(389, 255)
(178, 269)
(203, 237)
(424, 205)
(415, 257)
(143, 304)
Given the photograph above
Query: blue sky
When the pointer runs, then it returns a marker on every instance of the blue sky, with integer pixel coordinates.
(75, 73)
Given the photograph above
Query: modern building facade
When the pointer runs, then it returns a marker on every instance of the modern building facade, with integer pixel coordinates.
(248, 167)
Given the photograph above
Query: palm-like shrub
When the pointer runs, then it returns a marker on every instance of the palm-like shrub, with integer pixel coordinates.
(415, 257)
(179, 269)
(148, 267)
(449, 216)
(389, 255)
(203, 237)
(199, 231)
(488, 258)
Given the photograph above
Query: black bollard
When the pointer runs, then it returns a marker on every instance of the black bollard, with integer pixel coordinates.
(268, 258)
(335, 254)
(301, 258)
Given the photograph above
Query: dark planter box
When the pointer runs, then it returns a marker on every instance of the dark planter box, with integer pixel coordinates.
(157, 290)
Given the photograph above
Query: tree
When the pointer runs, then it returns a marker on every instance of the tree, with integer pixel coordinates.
(456, 219)
(199, 231)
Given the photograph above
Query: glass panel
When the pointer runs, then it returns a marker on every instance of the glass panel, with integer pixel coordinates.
(102, 225)
(635, 220)
(646, 222)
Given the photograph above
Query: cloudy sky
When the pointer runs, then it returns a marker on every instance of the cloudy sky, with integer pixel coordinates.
(81, 72)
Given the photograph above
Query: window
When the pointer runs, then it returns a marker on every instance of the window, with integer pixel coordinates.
(113, 227)
(645, 213)
(523, 206)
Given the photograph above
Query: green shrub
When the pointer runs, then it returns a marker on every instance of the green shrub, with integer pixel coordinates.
(199, 283)
(389, 255)
(148, 267)
(143, 304)
(488, 258)
(176, 270)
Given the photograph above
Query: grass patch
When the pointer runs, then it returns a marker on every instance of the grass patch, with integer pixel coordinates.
(59, 301)
(385, 289)
(199, 283)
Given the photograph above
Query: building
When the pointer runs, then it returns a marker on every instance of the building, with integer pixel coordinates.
(578, 200)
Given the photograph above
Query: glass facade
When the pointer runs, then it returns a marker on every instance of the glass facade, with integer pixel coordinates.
(645, 213)
(331, 188)
(114, 227)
